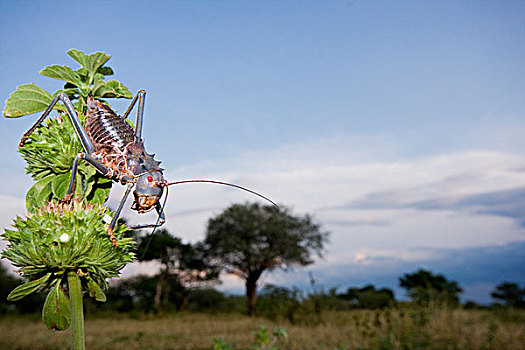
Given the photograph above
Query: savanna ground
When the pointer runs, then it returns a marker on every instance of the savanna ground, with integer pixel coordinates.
(413, 328)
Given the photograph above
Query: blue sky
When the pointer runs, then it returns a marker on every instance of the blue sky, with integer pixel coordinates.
(398, 125)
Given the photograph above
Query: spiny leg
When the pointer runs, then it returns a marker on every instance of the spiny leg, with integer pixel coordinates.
(111, 226)
(97, 165)
(140, 115)
(141, 97)
(81, 132)
(132, 104)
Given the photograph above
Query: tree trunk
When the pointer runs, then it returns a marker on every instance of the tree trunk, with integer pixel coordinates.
(158, 290)
(166, 294)
(184, 300)
(251, 290)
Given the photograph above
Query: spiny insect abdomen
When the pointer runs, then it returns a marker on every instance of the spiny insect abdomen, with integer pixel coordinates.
(106, 128)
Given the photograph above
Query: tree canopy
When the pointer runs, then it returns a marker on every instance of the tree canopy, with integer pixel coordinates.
(368, 297)
(424, 287)
(249, 239)
(510, 293)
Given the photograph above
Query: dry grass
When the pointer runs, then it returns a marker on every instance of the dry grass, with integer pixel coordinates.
(359, 329)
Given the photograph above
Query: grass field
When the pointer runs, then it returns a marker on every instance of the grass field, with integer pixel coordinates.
(356, 329)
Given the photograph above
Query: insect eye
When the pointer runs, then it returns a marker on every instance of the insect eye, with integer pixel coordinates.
(150, 178)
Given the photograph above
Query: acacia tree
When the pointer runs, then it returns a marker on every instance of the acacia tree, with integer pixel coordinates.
(425, 287)
(249, 239)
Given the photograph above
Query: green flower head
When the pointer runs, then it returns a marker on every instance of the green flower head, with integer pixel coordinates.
(63, 237)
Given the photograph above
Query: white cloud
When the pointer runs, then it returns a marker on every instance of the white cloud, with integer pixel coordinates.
(317, 180)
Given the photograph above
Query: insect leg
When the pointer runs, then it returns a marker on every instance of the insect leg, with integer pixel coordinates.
(140, 114)
(160, 221)
(84, 139)
(120, 206)
(131, 105)
(97, 165)
(44, 115)
(140, 96)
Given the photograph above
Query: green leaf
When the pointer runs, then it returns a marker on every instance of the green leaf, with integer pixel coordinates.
(280, 333)
(105, 71)
(69, 90)
(31, 199)
(90, 62)
(99, 196)
(27, 288)
(101, 191)
(83, 73)
(84, 183)
(44, 194)
(97, 77)
(60, 184)
(39, 193)
(88, 170)
(95, 291)
(220, 344)
(88, 186)
(63, 73)
(56, 311)
(27, 99)
(111, 89)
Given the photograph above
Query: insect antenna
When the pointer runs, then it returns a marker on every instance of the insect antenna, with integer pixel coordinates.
(222, 183)
(167, 184)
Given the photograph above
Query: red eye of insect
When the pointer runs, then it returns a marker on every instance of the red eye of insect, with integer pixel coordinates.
(150, 178)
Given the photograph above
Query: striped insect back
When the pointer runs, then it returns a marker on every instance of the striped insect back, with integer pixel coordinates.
(105, 128)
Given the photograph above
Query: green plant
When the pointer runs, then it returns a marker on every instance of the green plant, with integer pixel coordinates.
(64, 237)
(263, 341)
(62, 246)
(80, 83)
(220, 344)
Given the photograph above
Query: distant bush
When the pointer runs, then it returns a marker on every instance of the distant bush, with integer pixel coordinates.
(210, 300)
(369, 297)
(279, 303)
(205, 299)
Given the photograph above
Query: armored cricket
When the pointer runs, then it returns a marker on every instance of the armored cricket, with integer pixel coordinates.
(116, 150)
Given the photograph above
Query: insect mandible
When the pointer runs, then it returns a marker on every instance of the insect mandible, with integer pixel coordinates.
(116, 150)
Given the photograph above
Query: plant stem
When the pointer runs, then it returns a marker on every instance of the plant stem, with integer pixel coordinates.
(77, 311)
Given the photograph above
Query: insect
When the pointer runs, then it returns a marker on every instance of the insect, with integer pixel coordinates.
(116, 150)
